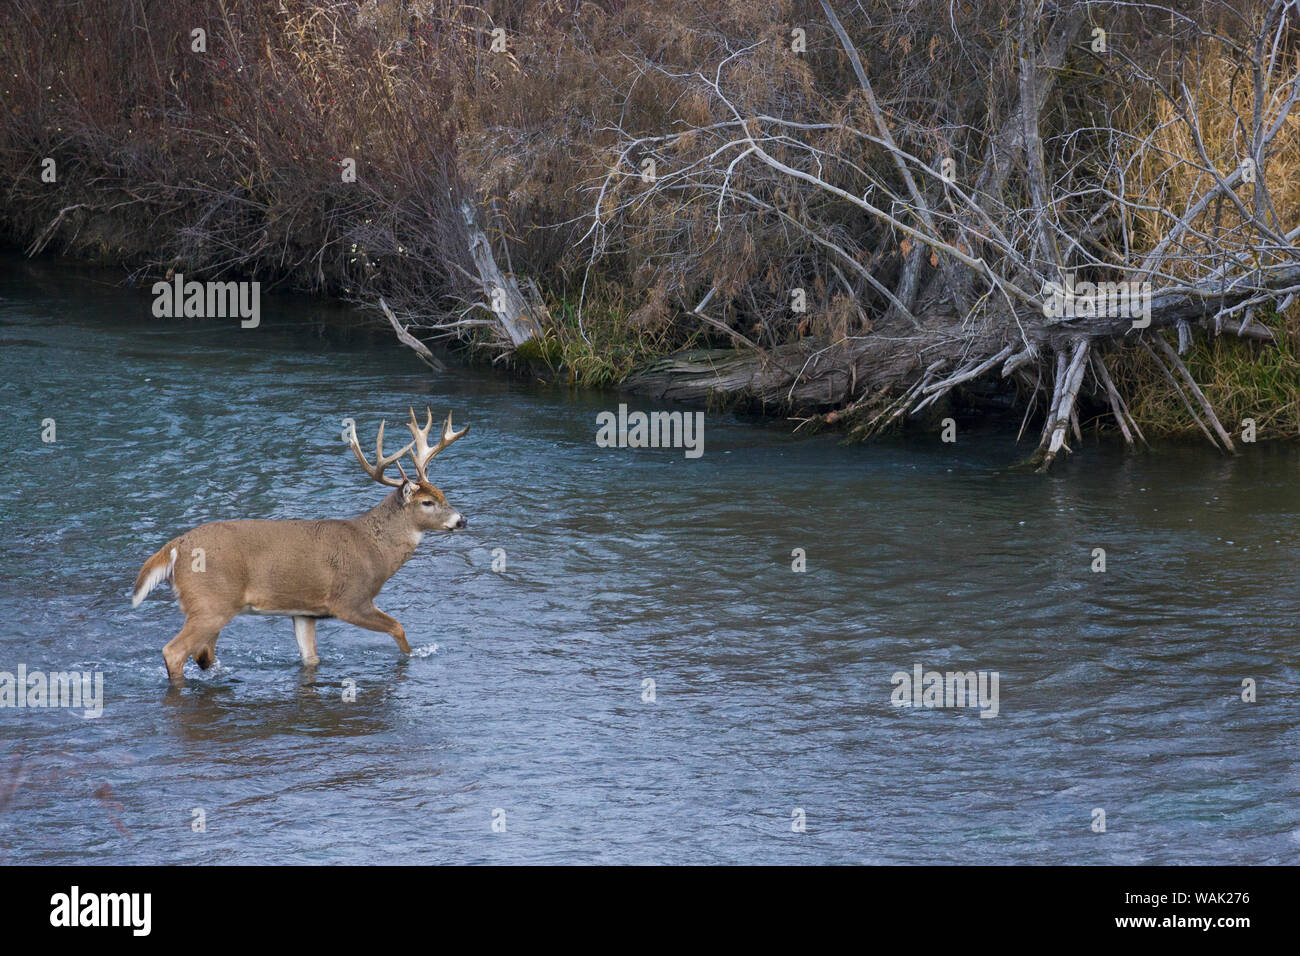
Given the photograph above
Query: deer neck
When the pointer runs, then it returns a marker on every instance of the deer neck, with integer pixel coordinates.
(390, 528)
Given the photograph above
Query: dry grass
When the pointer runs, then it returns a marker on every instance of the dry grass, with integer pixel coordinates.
(1242, 379)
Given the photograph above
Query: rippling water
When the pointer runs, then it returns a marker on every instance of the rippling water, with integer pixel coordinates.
(1118, 690)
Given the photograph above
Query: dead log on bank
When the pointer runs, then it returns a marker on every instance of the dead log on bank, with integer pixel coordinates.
(810, 375)
(516, 314)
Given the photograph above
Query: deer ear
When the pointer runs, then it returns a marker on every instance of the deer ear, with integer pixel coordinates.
(408, 491)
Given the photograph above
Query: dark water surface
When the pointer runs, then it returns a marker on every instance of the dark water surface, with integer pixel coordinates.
(1118, 690)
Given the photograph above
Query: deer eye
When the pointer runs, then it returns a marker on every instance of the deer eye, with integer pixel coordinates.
(427, 504)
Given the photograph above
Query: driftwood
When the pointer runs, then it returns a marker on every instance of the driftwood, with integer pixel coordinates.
(410, 341)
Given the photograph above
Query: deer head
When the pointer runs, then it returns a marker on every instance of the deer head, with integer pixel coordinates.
(422, 503)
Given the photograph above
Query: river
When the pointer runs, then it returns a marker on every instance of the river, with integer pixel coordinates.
(524, 728)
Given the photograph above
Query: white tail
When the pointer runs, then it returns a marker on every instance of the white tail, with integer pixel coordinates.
(155, 571)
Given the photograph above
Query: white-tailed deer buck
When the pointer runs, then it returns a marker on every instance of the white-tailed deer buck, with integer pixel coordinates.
(306, 570)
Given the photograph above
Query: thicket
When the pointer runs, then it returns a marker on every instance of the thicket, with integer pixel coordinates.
(841, 211)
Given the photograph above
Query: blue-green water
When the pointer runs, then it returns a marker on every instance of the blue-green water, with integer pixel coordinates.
(525, 698)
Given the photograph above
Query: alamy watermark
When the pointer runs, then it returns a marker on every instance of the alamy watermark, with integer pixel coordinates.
(130, 910)
(923, 688)
(1085, 300)
(208, 300)
(82, 690)
(651, 430)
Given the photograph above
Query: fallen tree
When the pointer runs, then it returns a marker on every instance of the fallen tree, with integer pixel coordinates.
(966, 226)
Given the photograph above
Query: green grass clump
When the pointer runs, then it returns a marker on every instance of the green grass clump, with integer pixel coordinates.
(1241, 378)
(607, 347)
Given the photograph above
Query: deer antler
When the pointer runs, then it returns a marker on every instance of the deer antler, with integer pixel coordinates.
(423, 454)
(382, 461)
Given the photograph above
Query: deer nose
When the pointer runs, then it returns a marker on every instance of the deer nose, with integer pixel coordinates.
(460, 521)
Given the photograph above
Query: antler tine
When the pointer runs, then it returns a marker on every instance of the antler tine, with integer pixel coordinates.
(382, 461)
(420, 457)
(423, 453)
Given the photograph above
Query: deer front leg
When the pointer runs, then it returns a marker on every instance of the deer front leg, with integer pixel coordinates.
(373, 619)
(304, 630)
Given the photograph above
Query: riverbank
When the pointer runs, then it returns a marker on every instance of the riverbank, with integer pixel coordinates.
(565, 191)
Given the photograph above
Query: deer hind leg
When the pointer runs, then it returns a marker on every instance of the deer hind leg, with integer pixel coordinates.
(304, 630)
(373, 619)
(206, 655)
(197, 637)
